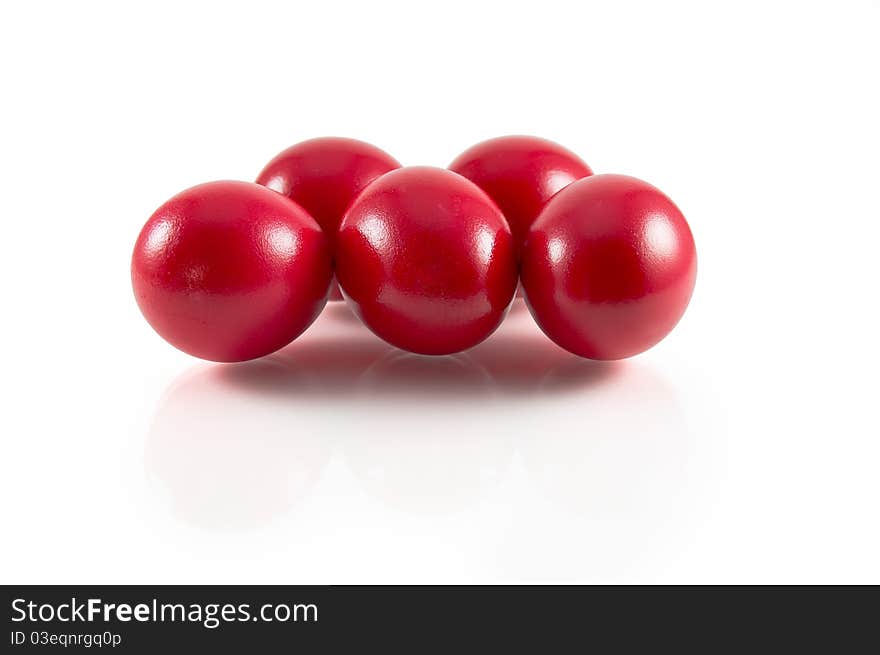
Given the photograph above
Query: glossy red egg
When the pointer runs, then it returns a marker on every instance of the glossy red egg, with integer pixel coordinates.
(427, 260)
(324, 175)
(520, 173)
(608, 267)
(230, 271)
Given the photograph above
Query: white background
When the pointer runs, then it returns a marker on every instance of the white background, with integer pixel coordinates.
(744, 448)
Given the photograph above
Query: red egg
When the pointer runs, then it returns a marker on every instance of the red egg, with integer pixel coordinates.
(427, 261)
(324, 175)
(520, 173)
(608, 267)
(230, 271)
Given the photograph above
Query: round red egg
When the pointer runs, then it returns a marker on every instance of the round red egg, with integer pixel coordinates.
(608, 267)
(324, 175)
(427, 260)
(230, 271)
(520, 173)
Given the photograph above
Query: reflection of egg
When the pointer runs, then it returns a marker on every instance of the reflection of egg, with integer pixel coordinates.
(429, 445)
(228, 457)
(631, 423)
(620, 470)
(235, 446)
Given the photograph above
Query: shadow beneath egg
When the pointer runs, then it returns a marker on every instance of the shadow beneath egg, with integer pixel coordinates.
(344, 358)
